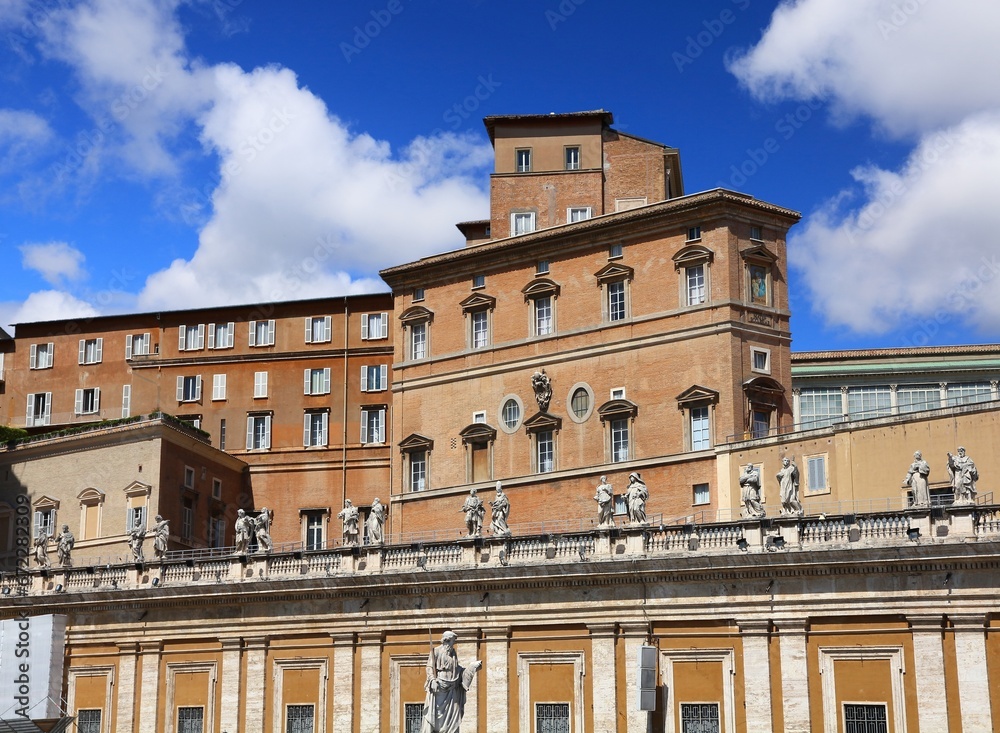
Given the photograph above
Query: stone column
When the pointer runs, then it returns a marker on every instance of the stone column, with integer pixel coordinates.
(973, 683)
(932, 712)
(255, 685)
(229, 720)
(370, 704)
(797, 406)
(635, 637)
(845, 403)
(604, 685)
(149, 686)
(496, 678)
(126, 687)
(342, 709)
(756, 661)
(467, 648)
(894, 398)
(794, 674)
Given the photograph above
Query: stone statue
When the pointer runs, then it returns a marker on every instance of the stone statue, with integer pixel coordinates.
(376, 523)
(243, 528)
(161, 533)
(42, 549)
(916, 479)
(750, 494)
(788, 482)
(964, 475)
(262, 528)
(474, 513)
(542, 386)
(605, 499)
(65, 540)
(349, 516)
(635, 498)
(499, 511)
(447, 682)
(136, 536)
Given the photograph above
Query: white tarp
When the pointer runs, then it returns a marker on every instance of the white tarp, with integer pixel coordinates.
(31, 666)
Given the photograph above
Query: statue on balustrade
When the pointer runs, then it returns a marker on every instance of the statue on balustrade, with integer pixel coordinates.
(376, 523)
(64, 546)
(753, 506)
(136, 536)
(635, 499)
(262, 528)
(499, 511)
(474, 513)
(161, 533)
(964, 475)
(788, 482)
(243, 528)
(349, 516)
(916, 479)
(605, 498)
(446, 686)
(42, 549)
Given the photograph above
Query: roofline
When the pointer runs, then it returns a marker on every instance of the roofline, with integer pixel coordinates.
(902, 351)
(490, 121)
(679, 204)
(667, 149)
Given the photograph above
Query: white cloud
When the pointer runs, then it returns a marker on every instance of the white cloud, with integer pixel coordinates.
(54, 261)
(911, 249)
(22, 135)
(47, 305)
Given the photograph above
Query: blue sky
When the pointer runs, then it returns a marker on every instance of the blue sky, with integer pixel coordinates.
(167, 154)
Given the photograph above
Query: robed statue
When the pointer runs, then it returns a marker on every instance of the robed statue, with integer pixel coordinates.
(447, 683)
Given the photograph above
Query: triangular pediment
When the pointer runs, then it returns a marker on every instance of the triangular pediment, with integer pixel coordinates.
(540, 287)
(416, 314)
(542, 421)
(478, 432)
(614, 271)
(478, 302)
(693, 254)
(138, 488)
(760, 253)
(618, 408)
(697, 393)
(45, 502)
(415, 442)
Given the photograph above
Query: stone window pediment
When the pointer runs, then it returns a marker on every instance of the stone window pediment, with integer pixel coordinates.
(416, 314)
(694, 254)
(542, 421)
(137, 488)
(697, 394)
(478, 432)
(759, 254)
(614, 271)
(763, 390)
(620, 408)
(91, 496)
(43, 503)
(478, 302)
(415, 442)
(539, 288)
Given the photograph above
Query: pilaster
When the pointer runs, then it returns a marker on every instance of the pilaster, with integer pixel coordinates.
(127, 654)
(794, 673)
(973, 680)
(229, 720)
(756, 661)
(342, 710)
(255, 685)
(370, 706)
(928, 650)
(469, 638)
(149, 686)
(635, 636)
(497, 676)
(604, 685)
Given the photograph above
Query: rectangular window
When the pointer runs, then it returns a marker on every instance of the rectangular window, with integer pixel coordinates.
(188, 389)
(695, 276)
(136, 345)
(968, 393)
(418, 470)
(760, 423)
(700, 717)
(618, 393)
(755, 234)
(418, 295)
(222, 434)
(480, 329)
(187, 519)
(45, 522)
(914, 397)
(616, 301)
(221, 335)
(258, 432)
(262, 333)
(135, 515)
(188, 477)
(619, 441)
(552, 717)
(865, 718)
(319, 329)
(819, 408)
(479, 417)
(573, 158)
(694, 234)
(478, 281)
(373, 425)
(87, 401)
(317, 381)
(216, 532)
(91, 351)
(217, 489)
(88, 721)
(542, 267)
(868, 402)
(413, 717)
(191, 338)
(315, 429)
(374, 326)
(40, 356)
(701, 494)
(314, 534)
(522, 158)
(126, 400)
(418, 341)
(816, 474)
(615, 251)
(578, 213)
(760, 360)
(522, 223)
(218, 386)
(543, 316)
(190, 720)
(545, 451)
(259, 385)
(701, 436)
(374, 378)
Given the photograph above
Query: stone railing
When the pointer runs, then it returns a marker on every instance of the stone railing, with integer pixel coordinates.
(780, 534)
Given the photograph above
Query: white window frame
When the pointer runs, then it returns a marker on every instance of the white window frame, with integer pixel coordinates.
(265, 438)
(377, 417)
(616, 251)
(136, 345)
(587, 212)
(528, 159)
(91, 351)
(621, 447)
(218, 387)
(309, 424)
(610, 290)
(696, 293)
(833, 712)
(571, 161)
(707, 494)
(198, 339)
(374, 326)
(807, 463)
(126, 400)
(754, 352)
(693, 234)
(526, 660)
(418, 341)
(45, 351)
(528, 216)
(536, 318)
(700, 424)
(322, 376)
(618, 393)
(671, 706)
(537, 444)
(81, 399)
(221, 335)
(417, 470)
(325, 328)
(260, 385)
(189, 475)
(374, 378)
(479, 329)
(267, 333)
(182, 391)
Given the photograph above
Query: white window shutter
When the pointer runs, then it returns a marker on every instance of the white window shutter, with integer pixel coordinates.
(364, 379)
(267, 431)
(33, 357)
(201, 335)
(230, 334)
(270, 332)
(100, 350)
(83, 350)
(250, 432)
(48, 408)
(128, 347)
(181, 338)
(180, 389)
(364, 326)
(324, 439)
(253, 333)
(384, 330)
(307, 382)
(197, 388)
(50, 354)
(29, 411)
(309, 335)
(364, 426)
(382, 376)
(97, 399)
(78, 402)
(145, 343)
(126, 400)
(381, 426)
(326, 380)
(211, 335)
(306, 424)
(327, 327)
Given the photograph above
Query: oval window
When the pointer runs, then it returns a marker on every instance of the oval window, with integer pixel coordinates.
(511, 414)
(580, 402)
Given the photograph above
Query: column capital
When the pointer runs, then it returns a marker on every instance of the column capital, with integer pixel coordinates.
(342, 638)
(755, 627)
(370, 638)
(496, 633)
(231, 644)
(926, 623)
(604, 629)
(256, 642)
(968, 622)
(796, 391)
(794, 625)
(635, 630)
(128, 647)
(150, 647)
